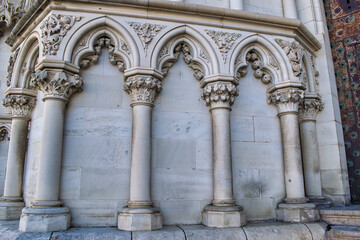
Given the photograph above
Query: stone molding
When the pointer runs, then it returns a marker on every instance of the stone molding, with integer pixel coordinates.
(9, 15)
(223, 40)
(257, 65)
(309, 108)
(287, 99)
(58, 86)
(294, 52)
(53, 30)
(220, 94)
(142, 88)
(113, 58)
(10, 68)
(21, 106)
(185, 50)
(146, 31)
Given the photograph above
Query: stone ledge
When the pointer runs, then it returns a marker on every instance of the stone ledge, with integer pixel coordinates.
(341, 216)
(343, 233)
(253, 231)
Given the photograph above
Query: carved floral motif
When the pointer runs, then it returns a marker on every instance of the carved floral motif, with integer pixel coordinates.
(224, 40)
(146, 31)
(9, 14)
(10, 68)
(142, 88)
(53, 30)
(256, 64)
(114, 59)
(20, 105)
(224, 92)
(294, 52)
(58, 86)
(309, 108)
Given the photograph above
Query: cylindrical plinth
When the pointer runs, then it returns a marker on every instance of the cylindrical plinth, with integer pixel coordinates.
(223, 194)
(15, 162)
(290, 10)
(294, 181)
(310, 158)
(50, 153)
(141, 157)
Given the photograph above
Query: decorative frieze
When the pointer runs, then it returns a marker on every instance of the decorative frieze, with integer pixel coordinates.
(146, 31)
(220, 92)
(294, 52)
(58, 86)
(9, 15)
(142, 88)
(287, 99)
(10, 68)
(113, 58)
(53, 30)
(309, 108)
(20, 105)
(223, 40)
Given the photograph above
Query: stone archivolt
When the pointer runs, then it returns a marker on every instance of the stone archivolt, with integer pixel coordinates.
(113, 58)
(20, 105)
(309, 108)
(10, 68)
(223, 40)
(59, 86)
(294, 52)
(53, 30)
(142, 88)
(224, 92)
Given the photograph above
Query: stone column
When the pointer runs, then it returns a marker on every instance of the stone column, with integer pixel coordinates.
(12, 203)
(295, 208)
(140, 215)
(46, 213)
(223, 212)
(237, 4)
(289, 8)
(307, 114)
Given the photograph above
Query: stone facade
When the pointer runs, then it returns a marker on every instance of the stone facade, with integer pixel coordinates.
(149, 113)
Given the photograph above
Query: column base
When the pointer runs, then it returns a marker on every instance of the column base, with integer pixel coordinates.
(45, 219)
(139, 219)
(10, 210)
(297, 212)
(320, 201)
(223, 216)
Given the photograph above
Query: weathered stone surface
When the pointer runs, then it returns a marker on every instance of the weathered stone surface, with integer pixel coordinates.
(300, 213)
(10, 210)
(167, 232)
(139, 219)
(9, 230)
(200, 232)
(343, 232)
(318, 230)
(92, 234)
(341, 216)
(223, 217)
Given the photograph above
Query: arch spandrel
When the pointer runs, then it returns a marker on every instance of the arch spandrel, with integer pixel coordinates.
(108, 27)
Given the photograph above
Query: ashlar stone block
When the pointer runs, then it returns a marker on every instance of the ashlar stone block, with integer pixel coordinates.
(137, 219)
(300, 213)
(10, 210)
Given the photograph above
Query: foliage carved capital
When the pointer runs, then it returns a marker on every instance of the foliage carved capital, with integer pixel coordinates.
(287, 99)
(20, 105)
(220, 94)
(309, 108)
(142, 88)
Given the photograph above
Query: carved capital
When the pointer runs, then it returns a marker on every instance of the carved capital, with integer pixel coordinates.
(57, 86)
(294, 52)
(287, 99)
(9, 15)
(142, 88)
(20, 105)
(53, 30)
(309, 108)
(220, 94)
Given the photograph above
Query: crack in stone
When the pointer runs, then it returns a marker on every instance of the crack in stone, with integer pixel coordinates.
(183, 231)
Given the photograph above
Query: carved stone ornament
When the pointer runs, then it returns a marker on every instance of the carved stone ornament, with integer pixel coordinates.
(294, 52)
(316, 72)
(256, 64)
(20, 105)
(288, 95)
(3, 133)
(220, 92)
(53, 30)
(309, 108)
(9, 15)
(142, 88)
(224, 40)
(184, 50)
(10, 68)
(114, 59)
(58, 86)
(146, 31)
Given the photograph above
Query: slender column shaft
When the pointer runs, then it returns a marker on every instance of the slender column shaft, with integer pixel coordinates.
(237, 4)
(294, 181)
(290, 10)
(223, 193)
(16, 156)
(141, 156)
(310, 158)
(51, 150)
